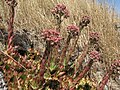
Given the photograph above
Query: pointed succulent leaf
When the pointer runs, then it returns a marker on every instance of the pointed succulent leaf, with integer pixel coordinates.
(52, 66)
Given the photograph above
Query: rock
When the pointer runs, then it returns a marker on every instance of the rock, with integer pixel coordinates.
(3, 85)
(20, 41)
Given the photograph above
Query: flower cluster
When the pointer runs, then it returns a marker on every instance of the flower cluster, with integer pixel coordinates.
(51, 36)
(73, 30)
(94, 55)
(60, 10)
(116, 63)
(84, 21)
(94, 36)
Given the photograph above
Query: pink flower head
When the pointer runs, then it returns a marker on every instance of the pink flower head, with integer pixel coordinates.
(85, 21)
(94, 55)
(60, 7)
(51, 35)
(73, 29)
(94, 36)
(61, 10)
(116, 63)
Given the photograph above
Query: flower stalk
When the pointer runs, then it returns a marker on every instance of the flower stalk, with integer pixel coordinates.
(60, 12)
(106, 77)
(12, 4)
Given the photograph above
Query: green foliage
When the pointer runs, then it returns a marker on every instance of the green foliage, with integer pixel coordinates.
(53, 66)
(23, 77)
(7, 67)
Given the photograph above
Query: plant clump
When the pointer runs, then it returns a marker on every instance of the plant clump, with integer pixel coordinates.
(61, 65)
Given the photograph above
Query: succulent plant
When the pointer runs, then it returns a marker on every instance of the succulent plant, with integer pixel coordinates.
(62, 65)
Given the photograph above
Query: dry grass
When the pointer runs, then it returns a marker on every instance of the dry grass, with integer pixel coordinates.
(35, 15)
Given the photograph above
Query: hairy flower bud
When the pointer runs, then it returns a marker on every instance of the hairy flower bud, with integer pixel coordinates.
(72, 29)
(84, 21)
(94, 37)
(60, 10)
(94, 55)
(116, 63)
